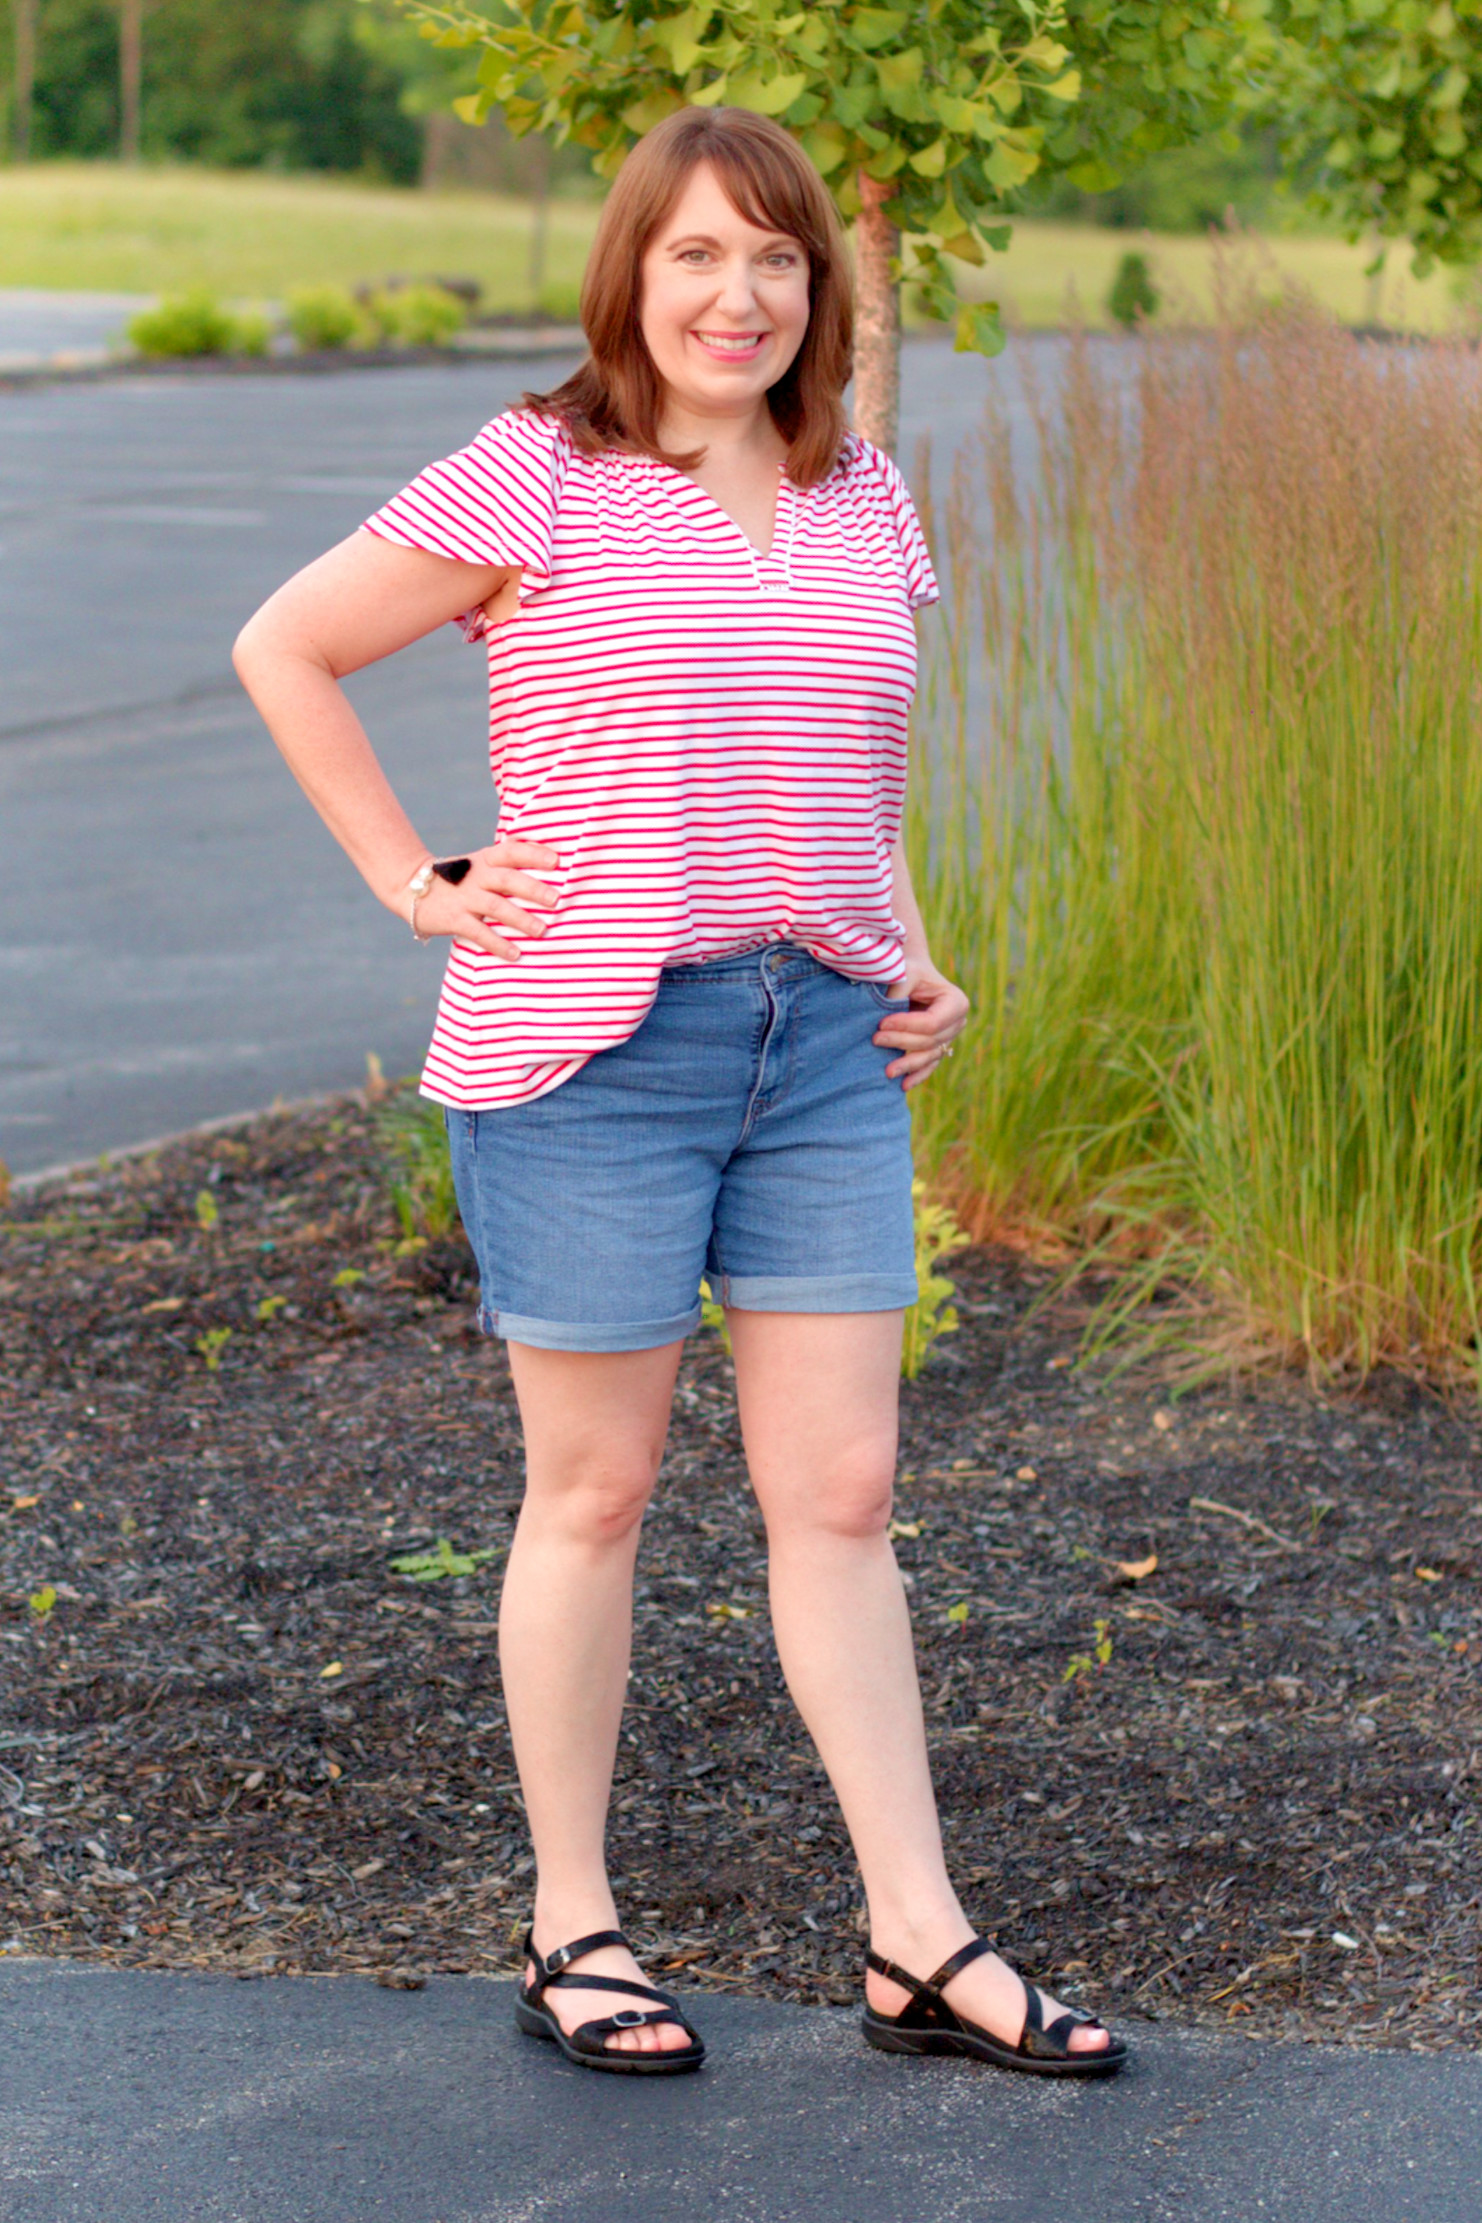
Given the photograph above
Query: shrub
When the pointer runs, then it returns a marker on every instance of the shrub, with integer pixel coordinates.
(937, 1232)
(326, 317)
(193, 323)
(1198, 790)
(418, 1167)
(196, 323)
(560, 303)
(252, 333)
(1133, 298)
(419, 316)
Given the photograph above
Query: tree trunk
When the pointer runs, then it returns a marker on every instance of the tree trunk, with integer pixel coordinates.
(877, 322)
(23, 14)
(130, 76)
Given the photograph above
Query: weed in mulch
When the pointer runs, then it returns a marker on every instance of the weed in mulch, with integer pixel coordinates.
(1203, 1679)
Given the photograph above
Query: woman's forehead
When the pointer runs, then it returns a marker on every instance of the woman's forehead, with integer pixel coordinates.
(704, 209)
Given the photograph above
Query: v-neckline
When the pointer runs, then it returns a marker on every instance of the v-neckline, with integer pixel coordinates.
(702, 494)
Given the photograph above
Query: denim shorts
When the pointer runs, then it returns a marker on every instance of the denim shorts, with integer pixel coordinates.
(746, 1134)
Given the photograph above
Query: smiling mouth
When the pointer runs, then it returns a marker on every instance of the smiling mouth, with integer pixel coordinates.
(736, 346)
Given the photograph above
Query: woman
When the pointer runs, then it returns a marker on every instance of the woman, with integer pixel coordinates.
(687, 992)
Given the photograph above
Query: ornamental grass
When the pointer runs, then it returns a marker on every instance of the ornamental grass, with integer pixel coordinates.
(1198, 819)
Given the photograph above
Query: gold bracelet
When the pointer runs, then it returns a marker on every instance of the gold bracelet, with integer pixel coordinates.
(416, 888)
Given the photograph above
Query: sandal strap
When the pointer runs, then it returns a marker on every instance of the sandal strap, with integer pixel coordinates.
(548, 1967)
(963, 1958)
(609, 1983)
(927, 1992)
(627, 2019)
(894, 1972)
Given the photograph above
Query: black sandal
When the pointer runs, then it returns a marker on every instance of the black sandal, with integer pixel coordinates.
(587, 2045)
(926, 2024)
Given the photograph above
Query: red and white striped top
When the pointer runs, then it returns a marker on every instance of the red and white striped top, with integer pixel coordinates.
(713, 741)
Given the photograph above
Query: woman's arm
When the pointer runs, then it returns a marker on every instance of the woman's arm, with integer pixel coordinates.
(938, 1010)
(362, 601)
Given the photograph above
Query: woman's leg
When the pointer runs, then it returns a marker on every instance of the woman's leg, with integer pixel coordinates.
(818, 1398)
(594, 1426)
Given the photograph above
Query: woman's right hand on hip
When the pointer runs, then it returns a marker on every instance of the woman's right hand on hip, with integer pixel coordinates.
(497, 904)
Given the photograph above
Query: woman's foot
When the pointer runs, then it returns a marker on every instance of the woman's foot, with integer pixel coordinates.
(987, 1992)
(572, 2007)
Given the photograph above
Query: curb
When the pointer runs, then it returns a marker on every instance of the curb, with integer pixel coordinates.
(79, 367)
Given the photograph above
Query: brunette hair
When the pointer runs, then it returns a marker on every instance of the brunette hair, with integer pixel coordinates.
(614, 400)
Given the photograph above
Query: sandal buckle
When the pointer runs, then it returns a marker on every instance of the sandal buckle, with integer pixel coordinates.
(556, 1961)
(628, 2018)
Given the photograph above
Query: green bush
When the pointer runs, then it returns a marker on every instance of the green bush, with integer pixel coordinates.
(560, 303)
(193, 323)
(327, 317)
(252, 333)
(419, 316)
(1133, 298)
(418, 1168)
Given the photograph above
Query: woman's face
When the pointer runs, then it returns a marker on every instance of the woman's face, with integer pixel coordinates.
(724, 306)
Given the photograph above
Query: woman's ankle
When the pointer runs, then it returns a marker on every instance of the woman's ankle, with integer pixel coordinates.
(922, 1933)
(561, 1915)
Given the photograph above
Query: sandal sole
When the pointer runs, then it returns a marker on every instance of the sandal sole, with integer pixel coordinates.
(611, 2063)
(887, 2039)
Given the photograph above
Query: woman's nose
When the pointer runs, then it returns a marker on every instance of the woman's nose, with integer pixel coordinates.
(737, 294)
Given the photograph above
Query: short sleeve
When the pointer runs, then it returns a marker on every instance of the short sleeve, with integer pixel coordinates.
(494, 502)
(902, 524)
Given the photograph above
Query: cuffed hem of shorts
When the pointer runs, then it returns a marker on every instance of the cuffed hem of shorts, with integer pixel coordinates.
(589, 1335)
(816, 1292)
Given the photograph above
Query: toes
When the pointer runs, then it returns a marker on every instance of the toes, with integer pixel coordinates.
(1089, 2041)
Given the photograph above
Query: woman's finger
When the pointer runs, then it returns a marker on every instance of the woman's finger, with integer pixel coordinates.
(495, 882)
(536, 853)
(513, 917)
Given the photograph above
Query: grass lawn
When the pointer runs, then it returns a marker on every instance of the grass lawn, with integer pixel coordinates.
(1047, 263)
(246, 234)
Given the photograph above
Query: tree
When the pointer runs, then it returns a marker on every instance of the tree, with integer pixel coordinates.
(23, 76)
(927, 118)
(1382, 106)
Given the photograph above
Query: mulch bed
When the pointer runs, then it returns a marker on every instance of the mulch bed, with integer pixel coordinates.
(239, 1740)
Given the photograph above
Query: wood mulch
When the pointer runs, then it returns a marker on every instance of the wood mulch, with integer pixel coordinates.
(1238, 1789)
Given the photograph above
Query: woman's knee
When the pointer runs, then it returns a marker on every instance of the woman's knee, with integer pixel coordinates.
(599, 1501)
(850, 1497)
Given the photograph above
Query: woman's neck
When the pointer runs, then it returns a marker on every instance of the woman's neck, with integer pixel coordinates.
(727, 440)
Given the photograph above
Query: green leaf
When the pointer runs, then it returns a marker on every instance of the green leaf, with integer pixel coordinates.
(1006, 165)
(899, 72)
(825, 146)
(771, 97)
(678, 36)
(871, 27)
(930, 162)
(980, 329)
(443, 1560)
(1065, 88)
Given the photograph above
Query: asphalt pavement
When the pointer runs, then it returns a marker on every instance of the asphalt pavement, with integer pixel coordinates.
(179, 939)
(133, 2097)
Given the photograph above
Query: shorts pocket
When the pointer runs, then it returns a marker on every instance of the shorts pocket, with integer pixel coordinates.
(884, 1000)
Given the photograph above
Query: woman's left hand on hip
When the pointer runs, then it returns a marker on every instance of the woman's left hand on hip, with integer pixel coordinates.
(926, 1033)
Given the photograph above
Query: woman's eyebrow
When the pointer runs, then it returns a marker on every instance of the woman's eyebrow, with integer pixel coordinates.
(706, 239)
